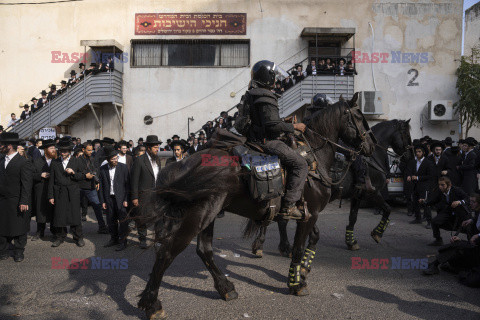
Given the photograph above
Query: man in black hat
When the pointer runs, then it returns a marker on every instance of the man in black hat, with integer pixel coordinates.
(195, 147)
(82, 70)
(63, 87)
(114, 191)
(64, 193)
(92, 67)
(73, 79)
(421, 172)
(26, 113)
(467, 169)
(33, 152)
(453, 161)
(178, 147)
(100, 153)
(123, 156)
(89, 186)
(34, 107)
(15, 196)
(42, 208)
(110, 66)
(139, 144)
(144, 176)
(53, 92)
(43, 101)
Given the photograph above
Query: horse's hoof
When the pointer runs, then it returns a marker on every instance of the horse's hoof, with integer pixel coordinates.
(300, 292)
(158, 315)
(258, 253)
(232, 295)
(285, 252)
(376, 237)
(353, 247)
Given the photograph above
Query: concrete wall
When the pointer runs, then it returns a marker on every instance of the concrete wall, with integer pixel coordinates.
(472, 29)
(31, 32)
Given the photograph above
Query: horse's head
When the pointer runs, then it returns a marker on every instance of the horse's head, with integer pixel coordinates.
(401, 141)
(355, 130)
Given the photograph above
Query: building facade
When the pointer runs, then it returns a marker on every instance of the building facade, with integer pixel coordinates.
(408, 51)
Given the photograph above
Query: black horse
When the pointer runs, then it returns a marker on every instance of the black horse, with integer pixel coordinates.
(189, 196)
(395, 134)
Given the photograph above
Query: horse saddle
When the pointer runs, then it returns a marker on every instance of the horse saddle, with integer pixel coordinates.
(264, 179)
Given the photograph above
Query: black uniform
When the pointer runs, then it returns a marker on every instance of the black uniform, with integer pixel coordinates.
(41, 207)
(265, 129)
(469, 172)
(426, 174)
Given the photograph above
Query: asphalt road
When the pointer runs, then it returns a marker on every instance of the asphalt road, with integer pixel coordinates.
(33, 290)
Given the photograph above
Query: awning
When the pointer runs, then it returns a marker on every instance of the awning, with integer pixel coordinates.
(102, 45)
(328, 34)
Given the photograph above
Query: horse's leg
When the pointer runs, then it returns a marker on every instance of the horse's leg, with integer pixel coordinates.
(257, 245)
(296, 283)
(165, 255)
(284, 246)
(225, 288)
(377, 233)
(350, 240)
(310, 252)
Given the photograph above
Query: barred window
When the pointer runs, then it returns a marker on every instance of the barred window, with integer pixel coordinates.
(190, 53)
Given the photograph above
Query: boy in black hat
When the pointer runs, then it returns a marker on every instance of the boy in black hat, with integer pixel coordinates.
(63, 83)
(64, 193)
(25, 113)
(53, 92)
(73, 79)
(34, 106)
(421, 172)
(114, 192)
(15, 197)
(178, 147)
(82, 70)
(43, 101)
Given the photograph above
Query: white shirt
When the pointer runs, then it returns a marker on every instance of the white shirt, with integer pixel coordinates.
(12, 122)
(419, 162)
(111, 172)
(48, 162)
(122, 159)
(8, 158)
(154, 166)
(436, 159)
(478, 223)
(65, 162)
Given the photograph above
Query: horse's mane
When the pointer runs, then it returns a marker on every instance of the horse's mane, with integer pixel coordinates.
(321, 120)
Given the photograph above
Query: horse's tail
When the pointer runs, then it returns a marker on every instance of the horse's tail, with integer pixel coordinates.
(184, 187)
(251, 229)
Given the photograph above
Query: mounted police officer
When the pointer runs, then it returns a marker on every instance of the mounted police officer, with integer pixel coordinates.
(265, 129)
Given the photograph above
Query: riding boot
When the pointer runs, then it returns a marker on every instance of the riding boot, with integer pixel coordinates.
(290, 211)
(368, 184)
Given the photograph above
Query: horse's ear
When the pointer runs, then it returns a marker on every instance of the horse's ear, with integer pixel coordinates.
(408, 121)
(354, 100)
(341, 98)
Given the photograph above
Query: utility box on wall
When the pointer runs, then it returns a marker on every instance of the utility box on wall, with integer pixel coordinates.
(440, 110)
(370, 102)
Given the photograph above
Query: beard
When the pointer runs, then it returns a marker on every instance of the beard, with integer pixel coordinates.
(51, 154)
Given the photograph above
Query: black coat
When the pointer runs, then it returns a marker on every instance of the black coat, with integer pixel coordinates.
(42, 103)
(41, 207)
(24, 115)
(142, 176)
(456, 194)
(121, 186)
(64, 189)
(34, 153)
(87, 166)
(469, 173)
(454, 161)
(426, 176)
(192, 150)
(15, 189)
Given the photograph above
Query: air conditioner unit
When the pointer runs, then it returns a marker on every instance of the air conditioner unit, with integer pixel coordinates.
(440, 110)
(370, 102)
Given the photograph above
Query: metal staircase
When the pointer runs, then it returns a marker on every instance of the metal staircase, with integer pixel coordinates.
(105, 87)
(301, 93)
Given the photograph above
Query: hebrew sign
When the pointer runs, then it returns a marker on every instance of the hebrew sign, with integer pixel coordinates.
(190, 23)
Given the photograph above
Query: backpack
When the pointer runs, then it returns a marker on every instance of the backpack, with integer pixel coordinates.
(243, 120)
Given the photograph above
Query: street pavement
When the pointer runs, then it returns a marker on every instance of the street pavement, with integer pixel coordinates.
(33, 290)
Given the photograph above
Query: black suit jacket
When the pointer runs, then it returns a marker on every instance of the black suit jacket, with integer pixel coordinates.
(426, 175)
(142, 176)
(15, 189)
(456, 194)
(34, 153)
(121, 186)
(469, 173)
(192, 150)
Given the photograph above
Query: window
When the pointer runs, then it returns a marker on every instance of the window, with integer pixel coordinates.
(190, 53)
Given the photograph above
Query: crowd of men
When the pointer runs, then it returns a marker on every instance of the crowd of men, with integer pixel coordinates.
(445, 178)
(324, 67)
(56, 180)
(37, 104)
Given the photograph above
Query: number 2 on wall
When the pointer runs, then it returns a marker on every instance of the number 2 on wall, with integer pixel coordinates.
(412, 82)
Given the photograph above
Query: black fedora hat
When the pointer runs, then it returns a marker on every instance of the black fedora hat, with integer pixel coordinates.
(421, 147)
(182, 143)
(437, 143)
(471, 141)
(65, 143)
(152, 140)
(47, 143)
(448, 141)
(63, 82)
(33, 99)
(108, 140)
(140, 139)
(9, 137)
(175, 136)
(53, 87)
(44, 93)
(73, 72)
(81, 64)
(110, 151)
